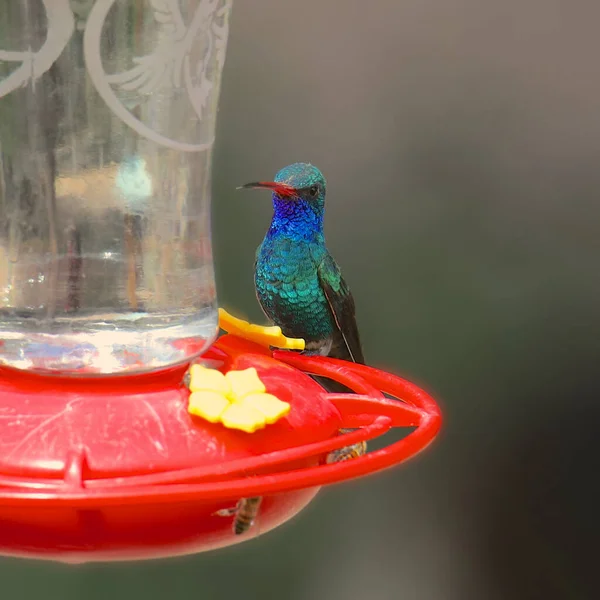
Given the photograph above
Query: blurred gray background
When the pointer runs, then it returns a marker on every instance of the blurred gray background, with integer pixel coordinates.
(461, 141)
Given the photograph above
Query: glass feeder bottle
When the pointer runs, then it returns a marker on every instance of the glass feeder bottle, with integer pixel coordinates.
(107, 122)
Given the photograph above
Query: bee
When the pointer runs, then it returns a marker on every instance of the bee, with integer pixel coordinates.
(347, 452)
(244, 513)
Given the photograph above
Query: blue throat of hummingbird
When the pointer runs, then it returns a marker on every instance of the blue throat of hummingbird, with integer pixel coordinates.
(298, 201)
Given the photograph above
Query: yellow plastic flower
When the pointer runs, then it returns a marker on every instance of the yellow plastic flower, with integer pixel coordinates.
(238, 399)
(265, 336)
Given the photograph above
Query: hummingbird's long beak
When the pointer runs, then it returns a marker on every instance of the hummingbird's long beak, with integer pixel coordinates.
(281, 189)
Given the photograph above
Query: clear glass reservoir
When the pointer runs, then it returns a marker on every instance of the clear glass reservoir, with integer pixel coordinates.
(107, 122)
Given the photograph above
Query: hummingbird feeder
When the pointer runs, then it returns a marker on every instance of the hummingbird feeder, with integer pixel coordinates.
(127, 425)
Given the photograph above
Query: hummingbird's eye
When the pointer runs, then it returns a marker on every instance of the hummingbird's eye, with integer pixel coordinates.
(313, 190)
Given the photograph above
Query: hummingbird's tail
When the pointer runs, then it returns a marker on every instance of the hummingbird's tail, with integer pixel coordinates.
(331, 386)
(339, 349)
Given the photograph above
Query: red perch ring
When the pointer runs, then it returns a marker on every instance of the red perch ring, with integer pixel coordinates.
(117, 469)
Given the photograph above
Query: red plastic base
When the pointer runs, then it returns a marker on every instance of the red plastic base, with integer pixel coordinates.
(116, 469)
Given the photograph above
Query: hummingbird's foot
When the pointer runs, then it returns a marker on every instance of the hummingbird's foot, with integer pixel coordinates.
(312, 353)
(265, 336)
(347, 452)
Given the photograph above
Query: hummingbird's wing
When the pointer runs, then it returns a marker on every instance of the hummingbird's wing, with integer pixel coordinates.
(341, 304)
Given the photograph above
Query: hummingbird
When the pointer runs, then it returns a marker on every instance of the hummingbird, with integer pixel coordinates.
(299, 286)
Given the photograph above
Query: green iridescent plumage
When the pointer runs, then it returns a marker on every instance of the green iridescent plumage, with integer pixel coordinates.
(298, 283)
